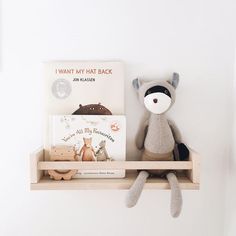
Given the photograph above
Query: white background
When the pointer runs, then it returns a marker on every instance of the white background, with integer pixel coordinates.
(153, 38)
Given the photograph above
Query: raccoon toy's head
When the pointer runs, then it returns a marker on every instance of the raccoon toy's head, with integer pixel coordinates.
(157, 96)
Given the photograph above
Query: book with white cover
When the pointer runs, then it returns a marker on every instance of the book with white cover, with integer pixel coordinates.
(94, 138)
(71, 83)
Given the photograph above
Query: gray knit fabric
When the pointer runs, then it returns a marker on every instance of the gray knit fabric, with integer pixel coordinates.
(144, 86)
(175, 131)
(176, 196)
(136, 189)
(157, 138)
(141, 135)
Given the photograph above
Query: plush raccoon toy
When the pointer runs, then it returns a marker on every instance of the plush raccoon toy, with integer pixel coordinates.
(159, 138)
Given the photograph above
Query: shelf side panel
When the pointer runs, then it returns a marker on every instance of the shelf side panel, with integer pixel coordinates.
(35, 173)
(194, 174)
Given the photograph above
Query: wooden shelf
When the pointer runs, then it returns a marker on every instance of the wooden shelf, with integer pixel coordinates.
(85, 184)
(127, 165)
(189, 178)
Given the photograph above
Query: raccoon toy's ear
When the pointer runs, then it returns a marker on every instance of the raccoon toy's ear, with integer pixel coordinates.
(136, 84)
(175, 80)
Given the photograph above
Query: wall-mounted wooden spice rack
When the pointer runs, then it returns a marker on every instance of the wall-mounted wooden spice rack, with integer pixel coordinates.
(189, 178)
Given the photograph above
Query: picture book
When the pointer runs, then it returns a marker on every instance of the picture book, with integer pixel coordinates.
(72, 84)
(94, 138)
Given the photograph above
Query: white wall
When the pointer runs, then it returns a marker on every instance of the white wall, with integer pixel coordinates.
(230, 207)
(153, 38)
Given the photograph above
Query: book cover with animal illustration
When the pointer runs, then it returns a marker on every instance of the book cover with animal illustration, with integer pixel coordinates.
(93, 138)
(71, 83)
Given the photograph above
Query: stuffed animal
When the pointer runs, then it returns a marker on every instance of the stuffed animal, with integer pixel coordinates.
(159, 138)
(87, 152)
(101, 153)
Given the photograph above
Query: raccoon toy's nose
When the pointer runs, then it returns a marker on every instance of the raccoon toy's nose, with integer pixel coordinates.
(155, 100)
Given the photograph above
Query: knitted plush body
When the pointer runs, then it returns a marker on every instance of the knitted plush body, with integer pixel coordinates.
(159, 139)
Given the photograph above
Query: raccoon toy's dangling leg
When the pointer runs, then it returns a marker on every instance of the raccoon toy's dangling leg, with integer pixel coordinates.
(176, 195)
(136, 189)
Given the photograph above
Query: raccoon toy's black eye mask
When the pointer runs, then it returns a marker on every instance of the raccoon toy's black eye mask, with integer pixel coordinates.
(157, 99)
(158, 89)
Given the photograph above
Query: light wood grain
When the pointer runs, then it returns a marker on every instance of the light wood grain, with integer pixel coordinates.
(99, 184)
(62, 153)
(127, 165)
(39, 182)
(56, 175)
(62, 158)
(194, 173)
(35, 157)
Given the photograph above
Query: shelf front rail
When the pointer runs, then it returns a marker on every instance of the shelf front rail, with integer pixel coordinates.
(39, 166)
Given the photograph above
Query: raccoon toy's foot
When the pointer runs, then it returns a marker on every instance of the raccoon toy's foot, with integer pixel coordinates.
(136, 189)
(176, 196)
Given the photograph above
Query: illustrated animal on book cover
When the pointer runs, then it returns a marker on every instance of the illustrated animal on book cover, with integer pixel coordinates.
(101, 153)
(87, 152)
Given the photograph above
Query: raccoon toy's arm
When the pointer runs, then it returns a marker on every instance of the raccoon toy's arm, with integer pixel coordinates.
(175, 131)
(181, 152)
(141, 135)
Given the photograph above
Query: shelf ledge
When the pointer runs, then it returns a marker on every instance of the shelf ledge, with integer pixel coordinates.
(189, 179)
(110, 184)
(111, 165)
